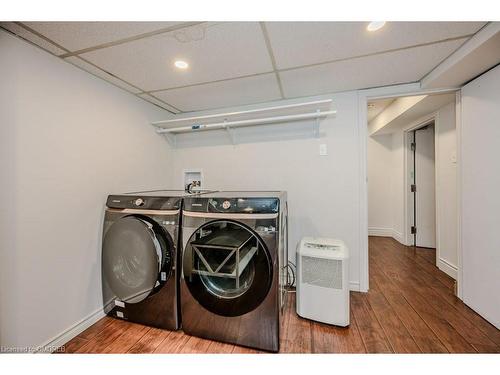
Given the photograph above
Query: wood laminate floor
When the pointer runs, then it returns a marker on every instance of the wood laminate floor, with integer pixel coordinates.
(410, 308)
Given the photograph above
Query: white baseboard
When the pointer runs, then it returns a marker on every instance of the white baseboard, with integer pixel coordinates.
(380, 232)
(386, 232)
(448, 268)
(354, 286)
(398, 236)
(68, 334)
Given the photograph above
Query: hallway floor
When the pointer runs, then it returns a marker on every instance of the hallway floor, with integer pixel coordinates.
(410, 308)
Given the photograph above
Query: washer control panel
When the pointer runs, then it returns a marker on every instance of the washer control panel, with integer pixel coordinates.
(141, 202)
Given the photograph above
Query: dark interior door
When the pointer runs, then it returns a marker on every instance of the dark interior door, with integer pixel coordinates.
(423, 188)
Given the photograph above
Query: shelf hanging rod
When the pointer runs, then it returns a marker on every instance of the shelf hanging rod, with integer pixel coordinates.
(287, 106)
(267, 120)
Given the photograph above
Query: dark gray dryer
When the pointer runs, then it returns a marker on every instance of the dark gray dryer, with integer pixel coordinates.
(234, 267)
(140, 281)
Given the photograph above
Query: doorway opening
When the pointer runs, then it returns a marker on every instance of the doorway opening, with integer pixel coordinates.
(411, 176)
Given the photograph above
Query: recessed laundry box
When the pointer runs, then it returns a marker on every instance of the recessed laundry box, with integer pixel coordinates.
(323, 280)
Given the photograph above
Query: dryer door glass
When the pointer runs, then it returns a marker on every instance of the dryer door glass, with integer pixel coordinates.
(227, 268)
(135, 258)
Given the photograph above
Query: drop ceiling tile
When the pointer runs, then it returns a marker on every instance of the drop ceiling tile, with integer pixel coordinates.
(303, 43)
(389, 68)
(101, 74)
(79, 35)
(220, 51)
(25, 34)
(159, 103)
(230, 93)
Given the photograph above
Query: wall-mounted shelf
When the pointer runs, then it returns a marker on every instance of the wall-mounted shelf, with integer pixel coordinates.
(262, 116)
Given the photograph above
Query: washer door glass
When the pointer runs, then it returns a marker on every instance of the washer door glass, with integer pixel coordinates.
(227, 268)
(133, 255)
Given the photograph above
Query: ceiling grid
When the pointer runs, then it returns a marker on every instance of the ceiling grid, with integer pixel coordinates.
(271, 56)
(240, 63)
(132, 38)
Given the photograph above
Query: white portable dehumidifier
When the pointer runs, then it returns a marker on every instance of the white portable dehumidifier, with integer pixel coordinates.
(323, 280)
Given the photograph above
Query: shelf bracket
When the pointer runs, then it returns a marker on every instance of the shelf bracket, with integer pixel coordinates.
(171, 138)
(230, 133)
(316, 124)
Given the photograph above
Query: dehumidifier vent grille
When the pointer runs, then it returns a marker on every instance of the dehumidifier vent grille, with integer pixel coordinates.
(326, 273)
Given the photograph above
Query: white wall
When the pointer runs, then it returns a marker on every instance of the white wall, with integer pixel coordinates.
(446, 190)
(67, 139)
(380, 185)
(323, 191)
(479, 198)
(387, 188)
(385, 169)
(399, 190)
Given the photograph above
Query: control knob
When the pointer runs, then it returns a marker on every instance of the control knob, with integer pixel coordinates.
(139, 202)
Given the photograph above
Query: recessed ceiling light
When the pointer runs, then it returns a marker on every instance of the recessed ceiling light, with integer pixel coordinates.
(371, 105)
(375, 25)
(181, 64)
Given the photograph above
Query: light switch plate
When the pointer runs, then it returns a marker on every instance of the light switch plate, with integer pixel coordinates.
(454, 157)
(323, 149)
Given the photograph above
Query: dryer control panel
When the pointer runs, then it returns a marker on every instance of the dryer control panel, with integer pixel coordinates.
(233, 205)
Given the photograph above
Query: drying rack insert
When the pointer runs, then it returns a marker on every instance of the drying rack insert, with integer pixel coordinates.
(224, 253)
